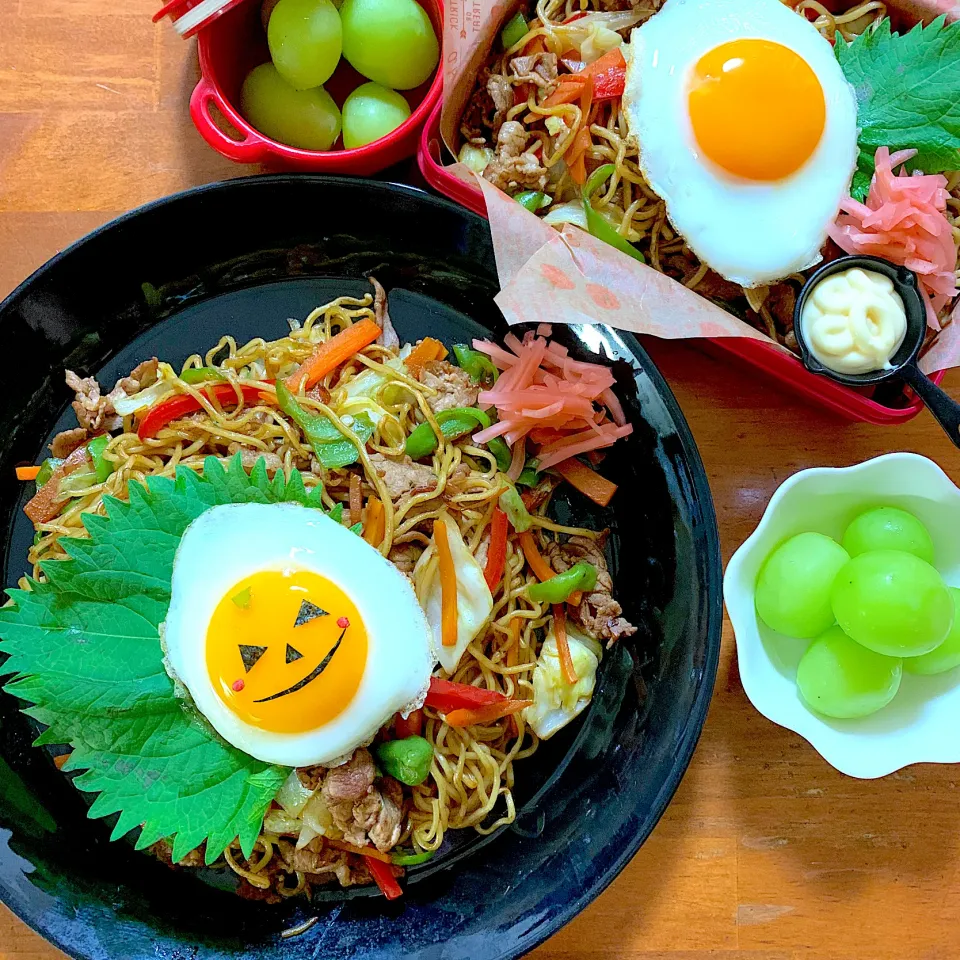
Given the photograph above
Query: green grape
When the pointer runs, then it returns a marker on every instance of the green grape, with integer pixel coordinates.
(389, 41)
(793, 589)
(308, 119)
(893, 603)
(840, 678)
(371, 112)
(306, 41)
(947, 655)
(887, 528)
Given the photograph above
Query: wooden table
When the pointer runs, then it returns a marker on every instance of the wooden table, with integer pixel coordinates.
(766, 853)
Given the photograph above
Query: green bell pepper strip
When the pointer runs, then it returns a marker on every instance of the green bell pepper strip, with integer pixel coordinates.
(532, 200)
(406, 760)
(46, 470)
(330, 446)
(511, 503)
(412, 859)
(101, 465)
(596, 223)
(529, 477)
(581, 576)
(201, 374)
(498, 447)
(453, 424)
(477, 364)
(515, 30)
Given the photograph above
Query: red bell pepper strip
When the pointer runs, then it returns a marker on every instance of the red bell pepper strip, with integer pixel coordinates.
(609, 75)
(497, 554)
(447, 696)
(386, 881)
(412, 726)
(176, 408)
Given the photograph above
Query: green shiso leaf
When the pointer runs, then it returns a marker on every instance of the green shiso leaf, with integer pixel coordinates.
(84, 649)
(908, 95)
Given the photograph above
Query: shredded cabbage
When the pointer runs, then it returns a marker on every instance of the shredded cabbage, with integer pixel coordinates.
(293, 795)
(278, 822)
(474, 600)
(142, 399)
(555, 702)
(597, 33)
(476, 158)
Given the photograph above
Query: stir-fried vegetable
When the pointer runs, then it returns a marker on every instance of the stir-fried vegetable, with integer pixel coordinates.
(498, 447)
(201, 374)
(555, 701)
(563, 646)
(412, 859)
(609, 74)
(599, 489)
(447, 695)
(497, 552)
(330, 446)
(409, 726)
(406, 760)
(596, 223)
(538, 565)
(385, 879)
(426, 350)
(474, 599)
(47, 501)
(373, 529)
(176, 408)
(331, 353)
(46, 470)
(581, 577)
(95, 448)
(480, 367)
(533, 200)
(515, 30)
(511, 503)
(487, 713)
(28, 473)
(448, 583)
(476, 158)
(453, 423)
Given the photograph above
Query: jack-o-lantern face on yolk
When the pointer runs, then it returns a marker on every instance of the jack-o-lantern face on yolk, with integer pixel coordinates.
(286, 650)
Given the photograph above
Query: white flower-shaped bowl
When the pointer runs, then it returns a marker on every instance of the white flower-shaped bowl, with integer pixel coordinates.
(921, 724)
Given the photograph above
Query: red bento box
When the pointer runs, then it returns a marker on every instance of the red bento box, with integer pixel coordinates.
(773, 363)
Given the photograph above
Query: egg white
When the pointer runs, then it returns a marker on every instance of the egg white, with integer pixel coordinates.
(228, 543)
(750, 232)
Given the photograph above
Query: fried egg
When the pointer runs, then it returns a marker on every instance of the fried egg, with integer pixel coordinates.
(747, 130)
(294, 637)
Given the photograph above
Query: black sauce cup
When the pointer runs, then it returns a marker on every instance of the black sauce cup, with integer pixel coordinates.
(903, 364)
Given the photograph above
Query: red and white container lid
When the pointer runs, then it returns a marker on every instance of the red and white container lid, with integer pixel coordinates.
(189, 16)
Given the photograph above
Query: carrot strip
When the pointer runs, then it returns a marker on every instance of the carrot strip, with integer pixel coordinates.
(330, 354)
(356, 499)
(448, 585)
(376, 522)
(599, 489)
(577, 156)
(565, 93)
(372, 852)
(27, 473)
(60, 761)
(537, 564)
(513, 651)
(487, 714)
(426, 350)
(383, 874)
(563, 645)
(575, 598)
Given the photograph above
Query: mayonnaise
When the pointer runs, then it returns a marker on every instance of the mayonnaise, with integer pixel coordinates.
(854, 321)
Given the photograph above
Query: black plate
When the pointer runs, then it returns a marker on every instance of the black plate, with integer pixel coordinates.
(241, 257)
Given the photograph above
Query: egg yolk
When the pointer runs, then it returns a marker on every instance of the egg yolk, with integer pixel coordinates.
(757, 109)
(275, 674)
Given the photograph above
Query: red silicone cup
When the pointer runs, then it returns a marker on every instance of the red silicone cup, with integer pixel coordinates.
(774, 364)
(233, 44)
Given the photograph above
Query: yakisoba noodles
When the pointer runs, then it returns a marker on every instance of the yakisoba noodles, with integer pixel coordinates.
(625, 199)
(472, 774)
